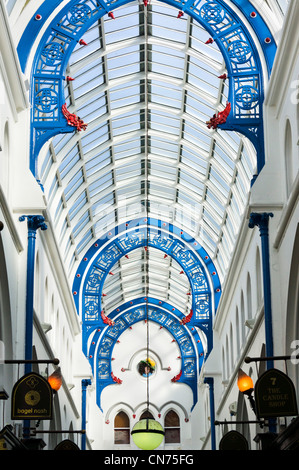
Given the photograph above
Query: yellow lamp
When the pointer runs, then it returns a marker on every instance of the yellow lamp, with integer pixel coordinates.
(245, 383)
(147, 434)
(55, 380)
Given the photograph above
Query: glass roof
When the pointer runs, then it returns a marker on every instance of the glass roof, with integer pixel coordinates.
(146, 83)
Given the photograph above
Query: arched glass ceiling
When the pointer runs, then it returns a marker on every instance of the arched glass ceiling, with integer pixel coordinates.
(146, 83)
(166, 281)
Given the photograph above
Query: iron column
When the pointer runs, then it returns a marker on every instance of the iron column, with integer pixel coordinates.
(34, 222)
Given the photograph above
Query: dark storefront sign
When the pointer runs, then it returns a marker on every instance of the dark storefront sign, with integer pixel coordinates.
(67, 444)
(9, 441)
(233, 440)
(289, 438)
(275, 395)
(31, 398)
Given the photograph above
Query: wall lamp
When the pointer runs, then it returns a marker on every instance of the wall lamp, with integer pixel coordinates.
(55, 380)
(245, 385)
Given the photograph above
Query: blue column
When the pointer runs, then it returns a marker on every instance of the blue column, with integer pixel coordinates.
(84, 383)
(210, 382)
(262, 221)
(34, 222)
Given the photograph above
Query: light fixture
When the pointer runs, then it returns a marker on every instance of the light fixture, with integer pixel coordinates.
(147, 433)
(55, 380)
(245, 385)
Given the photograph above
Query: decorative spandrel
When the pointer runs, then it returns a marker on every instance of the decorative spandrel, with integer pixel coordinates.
(94, 283)
(118, 327)
(136, 315)
(103, 370)
(189, 368)
(185, 344)
(105, 348)
(199, 280)
(52, 54)
(108, 257)
(91, 308)
(203, 307)
(46, 100)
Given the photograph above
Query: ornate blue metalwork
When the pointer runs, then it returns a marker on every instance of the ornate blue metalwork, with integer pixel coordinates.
(227, 29)
(104, 339)
(246, 83)
(102, 256)
(90, 278)
(261, 29)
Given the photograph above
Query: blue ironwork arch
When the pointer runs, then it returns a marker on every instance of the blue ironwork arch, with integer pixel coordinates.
(187, 252)
(245, 75)
(99, 339)
(125, 316)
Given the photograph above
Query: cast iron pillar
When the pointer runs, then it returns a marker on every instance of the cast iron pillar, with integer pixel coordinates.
(85, 383)
(262, 221)
(210, 382)
(34, 222)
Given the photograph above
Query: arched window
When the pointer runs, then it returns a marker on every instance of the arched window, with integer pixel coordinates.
(223, 365)
(288, 157)
(172, 428)
(121, 428)
(231, 347)
(237, 330)
(242, 308)
(146, 414)
(228, 371)
(248, 296)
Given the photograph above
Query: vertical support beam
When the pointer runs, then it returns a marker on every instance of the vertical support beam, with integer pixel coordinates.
(210, 382)
(262, 221)
(84, 383)
(34, 222)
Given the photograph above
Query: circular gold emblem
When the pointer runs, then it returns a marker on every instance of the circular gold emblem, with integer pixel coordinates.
(32, 398)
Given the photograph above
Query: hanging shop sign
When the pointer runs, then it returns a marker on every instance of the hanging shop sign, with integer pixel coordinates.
(233, 440)
(275, 395)
(3, 445)
(67, 444)
(31, 398)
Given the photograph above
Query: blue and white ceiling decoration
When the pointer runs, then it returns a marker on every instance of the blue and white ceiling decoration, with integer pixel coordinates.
(98, 263)
(103, 341)
(248, 49)
(226, 27)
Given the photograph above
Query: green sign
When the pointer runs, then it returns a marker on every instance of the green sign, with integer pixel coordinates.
(31, 398)
(275, 395)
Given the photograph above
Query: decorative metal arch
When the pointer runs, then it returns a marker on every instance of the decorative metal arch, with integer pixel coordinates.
(104, 340)
(187, 252)
(224, 25)
(99, 339)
